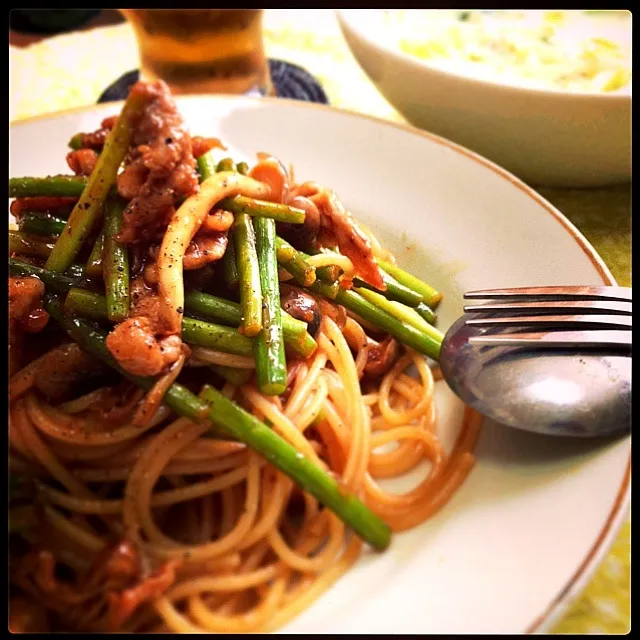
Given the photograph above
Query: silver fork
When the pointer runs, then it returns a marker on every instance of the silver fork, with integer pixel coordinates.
(571, 316)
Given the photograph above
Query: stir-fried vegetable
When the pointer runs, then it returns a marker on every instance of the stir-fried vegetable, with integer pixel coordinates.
(115, 258)
(293, 261)
(88, 209)
(271, 368)
(26, 245)
(430, 296)
(40, 224)
(248, 274)
(262, 209)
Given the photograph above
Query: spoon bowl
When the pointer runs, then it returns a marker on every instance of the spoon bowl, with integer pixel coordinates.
(562, 392)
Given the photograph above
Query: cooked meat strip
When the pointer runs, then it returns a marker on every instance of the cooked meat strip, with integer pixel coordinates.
(117, 583)
(337, 227)
(144, 302)
(203, 250)
(306, 189)
(64, 368)
(25, 315)
(150, 274)
(95, 140)
(82, 162)
(133, 343)
(25, 303)
(160, 167)
(270, 171)
(217, 221)
(122, 604)
(202, 145)
(44, 204)
(139, 343)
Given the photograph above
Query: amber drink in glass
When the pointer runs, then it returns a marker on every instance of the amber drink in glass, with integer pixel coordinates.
(202, 50)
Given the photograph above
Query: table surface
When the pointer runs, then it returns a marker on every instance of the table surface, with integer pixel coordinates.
(72, 70)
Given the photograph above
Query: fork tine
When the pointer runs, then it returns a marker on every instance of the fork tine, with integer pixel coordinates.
(583, 292)
(544, 306)
(554, 339)
(592, 321)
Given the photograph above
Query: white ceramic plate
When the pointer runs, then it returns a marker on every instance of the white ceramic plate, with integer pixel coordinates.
(527, 529)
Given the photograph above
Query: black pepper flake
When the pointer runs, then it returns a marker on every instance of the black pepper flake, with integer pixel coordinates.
(179, 310)
(168, 140)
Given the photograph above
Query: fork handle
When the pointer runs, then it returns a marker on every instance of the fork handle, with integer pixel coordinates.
(571, 293)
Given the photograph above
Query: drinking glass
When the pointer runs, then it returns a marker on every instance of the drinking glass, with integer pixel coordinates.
(202, 50)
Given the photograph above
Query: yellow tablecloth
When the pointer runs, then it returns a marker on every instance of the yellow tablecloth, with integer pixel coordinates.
(72, 70)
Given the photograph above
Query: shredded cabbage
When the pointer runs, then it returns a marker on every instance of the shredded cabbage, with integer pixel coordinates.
(571, 50)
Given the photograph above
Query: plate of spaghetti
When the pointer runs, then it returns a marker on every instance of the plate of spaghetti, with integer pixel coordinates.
(225, 408)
